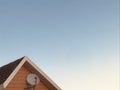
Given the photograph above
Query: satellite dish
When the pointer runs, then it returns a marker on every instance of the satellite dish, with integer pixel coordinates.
(33, 79)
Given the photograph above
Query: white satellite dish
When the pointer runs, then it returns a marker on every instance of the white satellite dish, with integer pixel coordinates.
(33, 79)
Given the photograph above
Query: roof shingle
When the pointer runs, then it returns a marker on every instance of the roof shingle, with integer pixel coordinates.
(6, 70)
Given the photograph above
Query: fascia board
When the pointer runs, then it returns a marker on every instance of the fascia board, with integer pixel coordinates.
(42, 73)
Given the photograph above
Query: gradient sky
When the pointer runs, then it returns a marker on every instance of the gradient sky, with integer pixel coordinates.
(75, 42)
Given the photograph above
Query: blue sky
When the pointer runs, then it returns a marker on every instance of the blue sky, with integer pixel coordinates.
(76, 42)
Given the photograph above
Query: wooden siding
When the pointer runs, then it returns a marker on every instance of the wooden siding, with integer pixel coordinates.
(19, 81)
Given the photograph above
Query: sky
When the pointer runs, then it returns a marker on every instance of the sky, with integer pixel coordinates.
(75, 42)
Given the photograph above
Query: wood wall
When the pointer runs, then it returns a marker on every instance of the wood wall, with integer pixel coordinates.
(19, 82)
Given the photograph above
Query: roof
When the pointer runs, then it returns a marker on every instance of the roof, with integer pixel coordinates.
(6, 70)
(7, 73)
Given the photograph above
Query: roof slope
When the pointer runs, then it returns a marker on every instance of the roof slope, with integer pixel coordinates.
(6, 70)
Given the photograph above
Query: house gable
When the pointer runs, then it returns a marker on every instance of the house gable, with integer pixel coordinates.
(26, 63)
